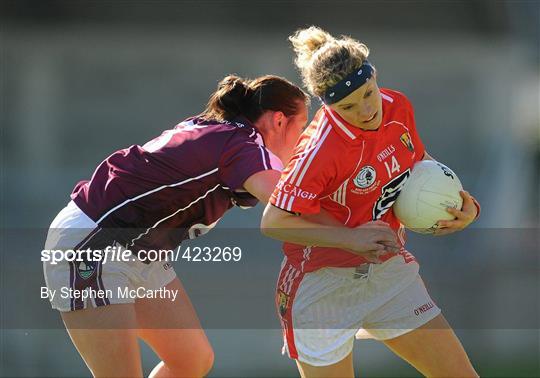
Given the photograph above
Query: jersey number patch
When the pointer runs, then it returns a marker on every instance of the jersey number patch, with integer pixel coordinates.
(395, 167)
(389, 195)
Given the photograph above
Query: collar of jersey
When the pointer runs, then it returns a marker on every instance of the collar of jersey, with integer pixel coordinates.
(345, 129)
(241, 120)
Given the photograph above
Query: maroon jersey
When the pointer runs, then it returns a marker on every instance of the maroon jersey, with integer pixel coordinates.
(177, 185)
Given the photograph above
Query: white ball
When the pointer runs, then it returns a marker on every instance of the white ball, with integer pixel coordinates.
(429, 190)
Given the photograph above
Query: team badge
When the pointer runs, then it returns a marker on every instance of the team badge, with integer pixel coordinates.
(406, 140)
(283, 302)
(366, 177)
(86, 269)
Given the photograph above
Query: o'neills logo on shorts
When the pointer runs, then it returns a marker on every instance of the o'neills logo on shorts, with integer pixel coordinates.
(295, 191)
(424, 308)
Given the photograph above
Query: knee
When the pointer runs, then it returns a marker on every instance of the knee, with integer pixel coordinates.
(196, 362)
(461, 371)
(469, 371)
(206, 360)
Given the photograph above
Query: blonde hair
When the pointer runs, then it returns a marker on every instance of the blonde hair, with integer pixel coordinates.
(324, 60)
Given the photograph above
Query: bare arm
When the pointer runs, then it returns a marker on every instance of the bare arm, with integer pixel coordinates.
(262, 184)
(317, 229)
(321, 230)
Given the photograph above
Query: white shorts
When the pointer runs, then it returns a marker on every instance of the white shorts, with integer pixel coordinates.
(105, 283)
(322, 311)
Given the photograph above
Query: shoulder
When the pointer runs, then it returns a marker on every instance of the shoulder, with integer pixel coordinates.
(320, 137)
(229, 131)
(198, 122)
(395, 98)
(318, 148)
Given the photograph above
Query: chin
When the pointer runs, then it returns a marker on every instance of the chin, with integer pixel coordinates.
(377, 123)
(372, 126)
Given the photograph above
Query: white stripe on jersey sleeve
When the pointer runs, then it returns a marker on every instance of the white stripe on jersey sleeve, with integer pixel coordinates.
(278, 197)
(319, 144)
(387, 98)
(282, 204)
(153, 191)
(309, 147)
(263, 157)
(173, 214)
(289, 205)
(345, 193)
(342, 126)
(275, 162)
(260, 142)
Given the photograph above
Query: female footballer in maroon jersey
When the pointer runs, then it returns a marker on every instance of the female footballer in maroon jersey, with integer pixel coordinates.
(176, 186)
(351, 162)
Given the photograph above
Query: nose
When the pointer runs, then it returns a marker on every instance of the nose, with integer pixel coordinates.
(367, 111)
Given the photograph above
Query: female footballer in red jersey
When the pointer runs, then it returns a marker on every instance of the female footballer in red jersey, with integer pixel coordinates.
(351, 162)
(176, 186)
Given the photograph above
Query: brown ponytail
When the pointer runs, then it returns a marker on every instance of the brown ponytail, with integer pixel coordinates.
(251, 98)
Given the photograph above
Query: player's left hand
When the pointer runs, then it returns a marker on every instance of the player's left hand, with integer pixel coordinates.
(464, 217)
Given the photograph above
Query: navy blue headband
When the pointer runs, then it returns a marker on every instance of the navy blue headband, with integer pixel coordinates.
(348, 84)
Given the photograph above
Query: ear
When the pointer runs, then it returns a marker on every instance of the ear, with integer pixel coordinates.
(279, 119)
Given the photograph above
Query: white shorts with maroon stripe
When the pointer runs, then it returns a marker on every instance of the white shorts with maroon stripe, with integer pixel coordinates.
(72, 229)
(322, 311)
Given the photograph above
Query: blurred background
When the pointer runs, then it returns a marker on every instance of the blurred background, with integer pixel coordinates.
(81, 79)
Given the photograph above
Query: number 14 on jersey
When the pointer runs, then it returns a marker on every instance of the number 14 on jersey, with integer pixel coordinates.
(395, 167)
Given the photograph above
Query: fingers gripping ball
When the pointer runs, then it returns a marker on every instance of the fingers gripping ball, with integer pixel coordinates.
(430, 189)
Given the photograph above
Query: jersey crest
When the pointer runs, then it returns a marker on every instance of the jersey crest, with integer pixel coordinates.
(283, 301)
(366, 177)
(406, 140)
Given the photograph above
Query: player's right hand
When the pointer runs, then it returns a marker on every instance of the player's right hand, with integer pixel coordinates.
(374, 239)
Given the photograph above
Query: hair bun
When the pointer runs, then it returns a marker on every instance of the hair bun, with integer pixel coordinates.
(306, 42)
(232, 94)
(233, 85)
(324, 60)
(251, 98)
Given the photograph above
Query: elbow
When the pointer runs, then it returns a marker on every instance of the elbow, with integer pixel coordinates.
(268, 224)
(267, 231)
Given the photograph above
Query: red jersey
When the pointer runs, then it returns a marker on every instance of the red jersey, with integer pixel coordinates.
(354, 174)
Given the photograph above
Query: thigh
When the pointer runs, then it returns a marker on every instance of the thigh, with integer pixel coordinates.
(106, 338)
(434, 350)
(408, 310)
(320, 312)
(341, 369)
(171, 327)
